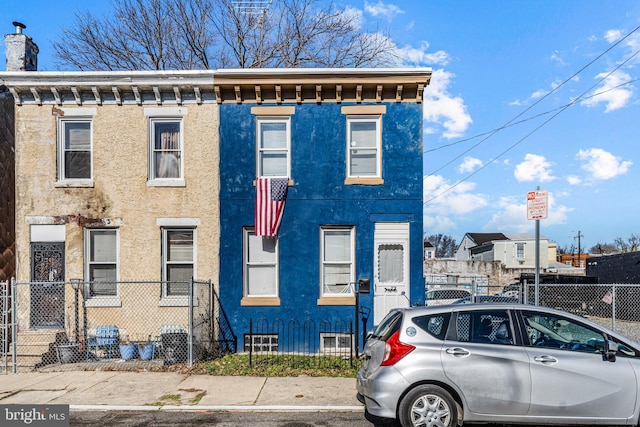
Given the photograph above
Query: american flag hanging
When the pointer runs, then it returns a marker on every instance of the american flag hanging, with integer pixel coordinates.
(271, 194)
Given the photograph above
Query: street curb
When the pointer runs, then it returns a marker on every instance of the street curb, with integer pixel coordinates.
(213, 408)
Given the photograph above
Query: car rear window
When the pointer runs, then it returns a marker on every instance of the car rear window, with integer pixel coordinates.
(434, 324)
(390, 324)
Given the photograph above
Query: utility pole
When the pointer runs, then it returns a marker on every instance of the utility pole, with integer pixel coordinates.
(578, 237)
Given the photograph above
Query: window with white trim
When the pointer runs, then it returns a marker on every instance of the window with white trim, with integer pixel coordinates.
(364, 146)
(262, 343)
(101, 259)
(338, 261)
(273, 143)
(178, 261)
(520, 251)
(335, 343)
(166, 150)
(75, 148)
(260, 261)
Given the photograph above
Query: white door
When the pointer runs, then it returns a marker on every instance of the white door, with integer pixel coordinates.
(391, 268)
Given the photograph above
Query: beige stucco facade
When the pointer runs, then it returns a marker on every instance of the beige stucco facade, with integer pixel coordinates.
(120, 194)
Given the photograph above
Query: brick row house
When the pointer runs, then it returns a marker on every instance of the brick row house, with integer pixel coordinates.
(155, 176)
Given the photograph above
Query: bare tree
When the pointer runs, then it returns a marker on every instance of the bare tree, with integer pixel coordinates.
(204, 34)
(603, 249)
(444, 245)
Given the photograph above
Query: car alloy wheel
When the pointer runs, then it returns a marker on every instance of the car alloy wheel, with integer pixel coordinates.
(428, 406)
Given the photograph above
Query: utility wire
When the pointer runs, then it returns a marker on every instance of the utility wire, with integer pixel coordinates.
(580, 98)
(519, 122)
(509, 123)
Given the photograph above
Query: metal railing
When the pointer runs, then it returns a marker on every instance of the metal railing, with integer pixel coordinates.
(306, 344)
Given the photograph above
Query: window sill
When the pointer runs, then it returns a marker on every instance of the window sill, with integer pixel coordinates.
(177, 301)
(350, 300)
(260, 301)
(364, 181)
(103, 302)
(68, 183)
(166, 183)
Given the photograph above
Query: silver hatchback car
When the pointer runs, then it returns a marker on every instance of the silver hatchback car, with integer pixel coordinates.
(498, 363)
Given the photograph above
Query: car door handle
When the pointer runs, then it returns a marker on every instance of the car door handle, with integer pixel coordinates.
(546, 360)
(458, 352)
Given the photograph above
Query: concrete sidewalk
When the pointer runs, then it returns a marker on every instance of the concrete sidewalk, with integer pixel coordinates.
(103, 390)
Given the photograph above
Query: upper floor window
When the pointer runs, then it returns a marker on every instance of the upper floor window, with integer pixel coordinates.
(274, 146)
(167, 160)
(260, 265)
(166, 146)
(338, 261)
(364, 157)
(178, 260)
(520, 251)
(75, 149)
(101, 259)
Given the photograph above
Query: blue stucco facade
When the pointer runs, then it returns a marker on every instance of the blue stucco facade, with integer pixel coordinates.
(318, 197)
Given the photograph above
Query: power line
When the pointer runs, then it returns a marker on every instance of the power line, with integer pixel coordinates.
(519, 122)
(581, 97)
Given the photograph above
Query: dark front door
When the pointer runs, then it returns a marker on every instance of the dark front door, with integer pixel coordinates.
(47, 287)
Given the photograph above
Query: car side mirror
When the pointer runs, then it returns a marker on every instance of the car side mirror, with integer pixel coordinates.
(612, 349)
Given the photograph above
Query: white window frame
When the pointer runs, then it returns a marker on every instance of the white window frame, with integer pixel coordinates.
(347, 291)
(176, 299)
(247, 234)
(377, 119)
(165, 181)
(101, 300)
(261, 340)
(520, 254)
(260, 150)
(335, 349)
(74, 116)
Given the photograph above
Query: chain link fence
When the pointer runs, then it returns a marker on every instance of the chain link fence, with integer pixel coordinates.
(105, 325)
(616, 306)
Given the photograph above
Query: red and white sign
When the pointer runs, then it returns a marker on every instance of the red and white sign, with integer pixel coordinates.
(537, 206)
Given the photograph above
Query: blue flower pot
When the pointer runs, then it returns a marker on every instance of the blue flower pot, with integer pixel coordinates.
(146, 351)
(127, 351)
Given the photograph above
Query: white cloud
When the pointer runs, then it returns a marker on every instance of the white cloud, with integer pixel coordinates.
(469, 164)
(512, 216)
(574, 180)
(418, 56)
(555, 56)
(533, 168)
(601, 164)
(386, 10)
(354, 16)
(613, 36)
(443, 200)
(610, 92)
(441, 107)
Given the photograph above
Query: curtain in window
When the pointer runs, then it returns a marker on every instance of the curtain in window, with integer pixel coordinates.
(103, 260)
(167, 148)
(391, 263)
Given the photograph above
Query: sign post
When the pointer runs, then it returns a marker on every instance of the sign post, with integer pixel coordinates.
(537, 209)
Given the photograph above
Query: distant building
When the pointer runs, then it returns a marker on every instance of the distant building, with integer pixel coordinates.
(429, 251)
(619, 268)
(514, 250)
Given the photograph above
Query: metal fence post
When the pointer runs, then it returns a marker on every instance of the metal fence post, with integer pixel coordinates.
(191, 293)
(14, 326)
(251, 343)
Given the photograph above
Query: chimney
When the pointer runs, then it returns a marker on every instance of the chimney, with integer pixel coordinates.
(22, 52)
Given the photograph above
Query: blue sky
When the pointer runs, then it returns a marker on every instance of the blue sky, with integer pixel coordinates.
(524, 94)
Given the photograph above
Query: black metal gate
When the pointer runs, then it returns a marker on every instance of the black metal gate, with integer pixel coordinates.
(47, 287)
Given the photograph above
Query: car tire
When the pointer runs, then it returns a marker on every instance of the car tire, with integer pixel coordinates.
(428, 406)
